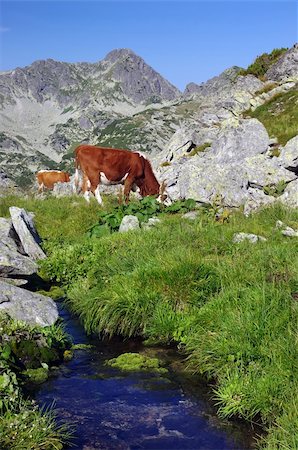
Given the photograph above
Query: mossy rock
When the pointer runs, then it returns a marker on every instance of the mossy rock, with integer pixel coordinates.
(36, 376)
(67, 355)
(32, 355)
(81, 346)
(134, 362)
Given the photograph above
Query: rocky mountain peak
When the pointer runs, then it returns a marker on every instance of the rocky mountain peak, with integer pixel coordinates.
(222, 81)
(119, 53)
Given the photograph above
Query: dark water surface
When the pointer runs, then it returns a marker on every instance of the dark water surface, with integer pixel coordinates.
(111, 410)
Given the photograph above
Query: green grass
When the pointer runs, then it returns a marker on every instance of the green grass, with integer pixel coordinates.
(199, 149)
(279, 115)
(231, 307)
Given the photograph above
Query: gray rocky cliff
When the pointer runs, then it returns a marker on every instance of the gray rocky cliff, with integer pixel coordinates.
(286, 67)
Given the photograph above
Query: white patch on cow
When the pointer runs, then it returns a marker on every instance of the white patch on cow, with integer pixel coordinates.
(104, 180)
(88, 184)
(97, 195)
(87, 196)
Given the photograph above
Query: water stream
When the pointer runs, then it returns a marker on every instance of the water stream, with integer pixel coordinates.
(114, 410)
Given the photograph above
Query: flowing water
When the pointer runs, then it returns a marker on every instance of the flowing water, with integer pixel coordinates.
(111, 410)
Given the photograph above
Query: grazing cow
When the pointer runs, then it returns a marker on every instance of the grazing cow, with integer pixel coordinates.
(114, 166)
(47, 178)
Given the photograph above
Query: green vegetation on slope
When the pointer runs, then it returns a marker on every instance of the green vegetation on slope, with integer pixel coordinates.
(263, 62)
(279, 115)
(25, 355)
(231, 307)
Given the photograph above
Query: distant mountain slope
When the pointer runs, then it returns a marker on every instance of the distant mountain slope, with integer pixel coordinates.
(49, 105)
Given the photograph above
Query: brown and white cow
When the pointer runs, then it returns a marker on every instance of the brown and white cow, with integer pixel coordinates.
(115, 166)
(47, 178)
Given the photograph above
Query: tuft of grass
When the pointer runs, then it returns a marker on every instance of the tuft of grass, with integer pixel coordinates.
(275, 190)
(199, 149)
(279, 115)
(267, 88)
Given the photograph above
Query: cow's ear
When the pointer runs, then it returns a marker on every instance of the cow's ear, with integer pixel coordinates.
(162, 187)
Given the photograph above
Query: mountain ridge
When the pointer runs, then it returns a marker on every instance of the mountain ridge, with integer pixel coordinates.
(50, 106)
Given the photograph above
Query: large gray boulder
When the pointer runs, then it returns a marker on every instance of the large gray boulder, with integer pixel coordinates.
(12, 262)
(240, 139)
(24, 227)
(27, 306)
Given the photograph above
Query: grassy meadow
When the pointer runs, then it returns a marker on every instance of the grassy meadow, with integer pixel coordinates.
(231, 308)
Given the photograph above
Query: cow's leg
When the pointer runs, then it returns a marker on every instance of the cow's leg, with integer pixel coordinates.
(40, 188)
(127, 187)
(86, 188)
(95, 183)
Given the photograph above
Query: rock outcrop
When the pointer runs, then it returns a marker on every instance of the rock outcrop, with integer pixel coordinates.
(27, 306)
(24, 227)
(19, 250)
(285, 67)
(235, 167)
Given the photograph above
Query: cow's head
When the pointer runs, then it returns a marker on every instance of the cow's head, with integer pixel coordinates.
(163, 195)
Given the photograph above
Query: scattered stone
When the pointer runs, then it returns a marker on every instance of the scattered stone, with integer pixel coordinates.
(288, 231)
(129, 223)
(191, 215)
(27, 306)
(151, 223)
(253, 238)
(24, 227)
(279, 224)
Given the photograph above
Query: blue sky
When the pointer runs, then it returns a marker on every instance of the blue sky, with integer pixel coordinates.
(184, 41)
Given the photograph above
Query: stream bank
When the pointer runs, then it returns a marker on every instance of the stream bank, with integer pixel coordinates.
(110, 409)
